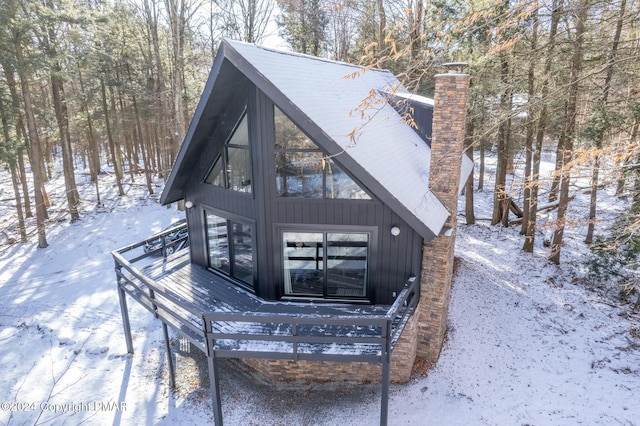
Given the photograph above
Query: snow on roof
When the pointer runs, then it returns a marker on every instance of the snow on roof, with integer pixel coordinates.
(342, 99)
(416, 98)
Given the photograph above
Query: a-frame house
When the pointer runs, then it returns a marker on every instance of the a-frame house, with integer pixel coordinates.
(312, 191)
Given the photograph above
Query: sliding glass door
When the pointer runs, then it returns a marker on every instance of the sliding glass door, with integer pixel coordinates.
(230, 247)
(326, 264)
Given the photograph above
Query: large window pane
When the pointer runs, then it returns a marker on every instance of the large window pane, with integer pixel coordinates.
(303, 263)
(340, 185)
(241, 133)
(215, 175)
(288, 135)
(239, 169)
(299, 174)
(242, 241)
(303, 170)
(347, 255)
(232, 169)
(230, 247)
(218, 243)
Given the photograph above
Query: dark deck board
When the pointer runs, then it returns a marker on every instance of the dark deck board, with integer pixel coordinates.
(213, 293)
(216, 315)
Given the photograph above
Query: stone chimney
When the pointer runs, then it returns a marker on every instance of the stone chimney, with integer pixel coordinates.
(447, 145)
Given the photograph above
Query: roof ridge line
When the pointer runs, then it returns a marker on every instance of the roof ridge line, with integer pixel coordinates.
(303, 55)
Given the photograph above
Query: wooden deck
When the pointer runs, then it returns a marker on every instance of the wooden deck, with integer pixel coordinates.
(224, 320)
(183, 293)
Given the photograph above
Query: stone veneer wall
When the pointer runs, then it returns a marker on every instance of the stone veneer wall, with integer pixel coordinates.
(402, 358)
(447, 145)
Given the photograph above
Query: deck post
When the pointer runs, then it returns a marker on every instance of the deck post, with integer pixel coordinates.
(215, 390)
(214, 382)
(125, 317)
(167, 343)
(386, 360)
(152, 296)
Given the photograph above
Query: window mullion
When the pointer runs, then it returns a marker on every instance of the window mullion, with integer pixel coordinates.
(225, 164)
(231, 248)
(325, 290)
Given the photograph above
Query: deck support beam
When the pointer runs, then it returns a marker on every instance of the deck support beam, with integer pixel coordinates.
(385, 356)
(167, 343)
(215, 389)
(125, 319)
(214, 379)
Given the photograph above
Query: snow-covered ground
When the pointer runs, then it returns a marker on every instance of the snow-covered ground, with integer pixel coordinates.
(528, 343)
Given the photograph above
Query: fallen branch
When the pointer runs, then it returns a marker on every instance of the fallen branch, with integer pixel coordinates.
(514, 208)
(553, 205)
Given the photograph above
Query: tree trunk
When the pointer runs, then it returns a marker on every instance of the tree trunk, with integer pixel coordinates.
(176, 15)
(600, 137)
(624, 166)
(468, 191)
(25, 187)
(73, 197)
(36, 154)
(415, 28)
(481, 166)
(500, 214)
(16, 190)
(62, 118)
(572, 101)
(94, 149)
(635, 202)
(14, 174)
(165, 134)
(20, 132)
(382, 27)
(530, 235)
(130, 153)
(530, 126)
(557, 173)
(118, 127)
(147, 167)
(112, 148)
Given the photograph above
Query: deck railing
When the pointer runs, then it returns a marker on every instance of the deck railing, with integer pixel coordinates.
(369, 338)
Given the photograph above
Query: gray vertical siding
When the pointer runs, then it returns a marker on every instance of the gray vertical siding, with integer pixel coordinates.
(396, 258)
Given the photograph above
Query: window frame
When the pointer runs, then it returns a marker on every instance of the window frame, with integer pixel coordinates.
(326, 160)
(231, 219)
(224, 156)
(371, 264)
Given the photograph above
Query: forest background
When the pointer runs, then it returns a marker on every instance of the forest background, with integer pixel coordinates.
(109, 86)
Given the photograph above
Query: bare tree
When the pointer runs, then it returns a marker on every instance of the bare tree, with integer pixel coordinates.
(570, 128)
(534, 180)
(601, 109)
(246, 20)
(34, 140)
(49, 40)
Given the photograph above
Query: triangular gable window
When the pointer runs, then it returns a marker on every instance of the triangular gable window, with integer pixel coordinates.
(232, 168)
(303, 170)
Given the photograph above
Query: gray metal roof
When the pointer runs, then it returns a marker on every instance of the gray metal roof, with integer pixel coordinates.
(333, 102)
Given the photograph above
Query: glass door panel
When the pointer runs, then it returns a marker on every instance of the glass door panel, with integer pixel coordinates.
(347, 255)
(242, 252)
(218, 243)
(303, 263)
